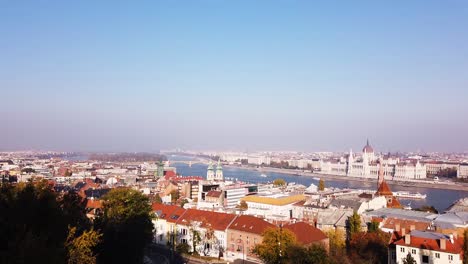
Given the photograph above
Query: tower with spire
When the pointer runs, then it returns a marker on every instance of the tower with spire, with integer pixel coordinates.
(210, 175)
(219, 172)
(384, 190)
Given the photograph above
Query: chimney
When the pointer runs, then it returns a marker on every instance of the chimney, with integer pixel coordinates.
(412, 227)
(403, 232)
(407, 239)
(443, 243)
(397, 227)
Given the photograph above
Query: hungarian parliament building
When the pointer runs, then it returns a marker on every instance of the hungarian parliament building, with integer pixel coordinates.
(368, 165)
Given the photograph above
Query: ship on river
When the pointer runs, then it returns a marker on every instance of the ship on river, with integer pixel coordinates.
(408, 195)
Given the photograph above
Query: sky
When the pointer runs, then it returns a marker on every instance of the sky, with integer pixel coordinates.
(234, 75)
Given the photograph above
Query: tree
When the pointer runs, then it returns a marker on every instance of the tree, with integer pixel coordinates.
(373, 227)
(174, 196)
(409, 259)
(80, 249)
(321, 186)
(28, 170)
(243, 205)
(369, 247)
(337, 243)
(157, 199)
(315, 254)
(275, 245)
(74, 211)
(183, 248)
(183, 202)
(354, 224)
(279, 182)
(34, 223)
(126, 226)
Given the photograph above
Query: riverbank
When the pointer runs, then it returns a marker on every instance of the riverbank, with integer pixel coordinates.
(423, 184)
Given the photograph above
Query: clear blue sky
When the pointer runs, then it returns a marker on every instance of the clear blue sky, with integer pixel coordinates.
(303, 75)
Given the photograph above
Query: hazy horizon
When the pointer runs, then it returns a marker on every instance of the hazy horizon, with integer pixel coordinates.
(242, 75)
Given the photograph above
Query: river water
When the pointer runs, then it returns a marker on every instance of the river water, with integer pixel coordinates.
(440, 199)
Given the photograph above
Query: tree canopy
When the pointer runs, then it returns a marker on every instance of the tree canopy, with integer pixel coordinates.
(321, 186)
(275, 245)
(126, 226)
(409, 259)
(279, 182)
(34, 223)
(354, 223)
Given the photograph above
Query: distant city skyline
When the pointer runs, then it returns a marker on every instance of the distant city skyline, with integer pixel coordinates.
(234, 75)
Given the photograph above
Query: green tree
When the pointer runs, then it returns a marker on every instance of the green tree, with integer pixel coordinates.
(80, 249)
(321, 186)
(279, 182)
(74, 211)
(354, 224)
(126, 226)
(373, 227)
(182, 248)
(314, 254)
(34, 223)
(275, 245)
(409, 259)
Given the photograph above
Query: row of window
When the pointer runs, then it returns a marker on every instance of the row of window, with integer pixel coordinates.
(425, 258)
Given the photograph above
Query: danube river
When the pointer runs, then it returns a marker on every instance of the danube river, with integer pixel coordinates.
(440, 199)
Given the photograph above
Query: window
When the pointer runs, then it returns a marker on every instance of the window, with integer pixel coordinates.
(402, 250)
(184, 231)
(425, 259)
(437, 255)
(450, 257)
(413, 251)
(183, 241)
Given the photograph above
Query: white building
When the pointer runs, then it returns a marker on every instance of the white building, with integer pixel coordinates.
(368, 167)
(275, 206)
(426, 247)
(462, 171)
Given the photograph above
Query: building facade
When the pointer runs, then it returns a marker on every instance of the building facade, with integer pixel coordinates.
(368, 167)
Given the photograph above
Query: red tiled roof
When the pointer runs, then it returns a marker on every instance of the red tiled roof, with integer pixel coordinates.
(433, 244)
(169, 174)
(305, 233)
(406, 224)
(94, 204)
(384, 189)
(170, 213)
(250, 224)
(214, 194)
(215, 220)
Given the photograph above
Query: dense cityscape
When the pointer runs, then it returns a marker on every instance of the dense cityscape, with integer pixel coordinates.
(233, 132)
(219, 218)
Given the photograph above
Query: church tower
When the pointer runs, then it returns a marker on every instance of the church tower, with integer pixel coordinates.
(210, 175)
(219, 172)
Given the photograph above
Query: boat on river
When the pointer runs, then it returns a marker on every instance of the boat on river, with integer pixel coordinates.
(408, 195)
